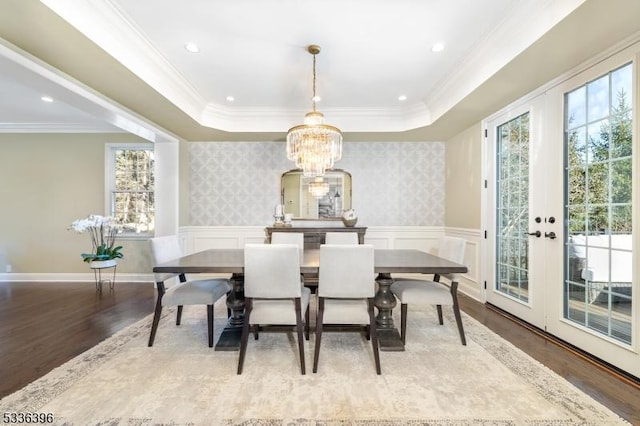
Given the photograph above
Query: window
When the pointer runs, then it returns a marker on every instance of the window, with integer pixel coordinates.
(130, 187)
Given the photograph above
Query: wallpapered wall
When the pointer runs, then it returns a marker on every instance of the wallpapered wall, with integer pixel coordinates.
(394, 183)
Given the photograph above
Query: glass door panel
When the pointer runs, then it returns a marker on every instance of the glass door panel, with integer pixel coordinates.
(598, 193)
(512, 245)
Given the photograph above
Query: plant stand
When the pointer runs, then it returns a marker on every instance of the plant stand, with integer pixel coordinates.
(98, 266)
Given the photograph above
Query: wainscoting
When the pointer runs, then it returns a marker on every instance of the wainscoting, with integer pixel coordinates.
(197, 238)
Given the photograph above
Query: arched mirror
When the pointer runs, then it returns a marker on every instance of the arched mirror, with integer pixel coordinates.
(322, 198)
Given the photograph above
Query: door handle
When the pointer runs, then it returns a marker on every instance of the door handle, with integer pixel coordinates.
(551, 235)
(538, 234)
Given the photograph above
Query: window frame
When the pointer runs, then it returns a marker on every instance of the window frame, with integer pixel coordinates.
(109, 183)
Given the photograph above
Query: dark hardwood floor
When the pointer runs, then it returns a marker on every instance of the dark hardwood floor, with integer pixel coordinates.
(43, 325)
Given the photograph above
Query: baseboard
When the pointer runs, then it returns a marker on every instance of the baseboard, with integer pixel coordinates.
(72, 277)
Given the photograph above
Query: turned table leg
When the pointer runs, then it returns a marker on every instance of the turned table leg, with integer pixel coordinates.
(385, 301)
(230, 338)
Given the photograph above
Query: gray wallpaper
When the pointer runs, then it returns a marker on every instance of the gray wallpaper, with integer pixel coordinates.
(394, 183)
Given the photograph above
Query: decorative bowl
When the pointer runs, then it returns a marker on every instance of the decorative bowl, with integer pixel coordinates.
(350, 222)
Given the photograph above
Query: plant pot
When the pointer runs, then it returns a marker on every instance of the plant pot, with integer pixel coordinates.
(101, 264)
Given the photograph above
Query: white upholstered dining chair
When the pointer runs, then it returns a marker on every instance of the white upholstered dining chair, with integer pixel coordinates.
(341, 238)
(185, 292)
(346, 289)
(425, 292)
(274, 294)
(296, 238)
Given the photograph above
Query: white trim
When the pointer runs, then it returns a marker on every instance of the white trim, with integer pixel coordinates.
(109, 178)
(78, 95)
(616, 49)
(470, 283)
(74, 277)
(250, 119)
(484, 205)
(526, 24)
(58, 128)
(104, 23)
(196, 238)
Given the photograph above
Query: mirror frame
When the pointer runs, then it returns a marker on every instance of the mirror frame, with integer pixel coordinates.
(345, 194)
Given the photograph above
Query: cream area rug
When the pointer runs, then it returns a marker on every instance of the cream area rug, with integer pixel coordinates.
(181, 381)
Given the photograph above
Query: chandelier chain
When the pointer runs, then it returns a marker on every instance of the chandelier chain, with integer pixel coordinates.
(314, 146)
(313, 99)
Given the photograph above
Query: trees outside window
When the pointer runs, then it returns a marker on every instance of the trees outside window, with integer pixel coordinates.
(131, 187)
(598, 204)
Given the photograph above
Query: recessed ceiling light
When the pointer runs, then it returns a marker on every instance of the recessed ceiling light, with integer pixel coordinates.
(438, 47)
(192, 47)
(47, 99)
(231, 98)
(402, 97)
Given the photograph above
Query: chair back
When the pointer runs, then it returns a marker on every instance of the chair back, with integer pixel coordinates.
(341, 238)
(346, 271)
(163, 250)
(296, 238)
(272, 271)
(452, 248)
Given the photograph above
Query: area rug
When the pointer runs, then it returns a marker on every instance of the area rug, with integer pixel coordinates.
(181, 381)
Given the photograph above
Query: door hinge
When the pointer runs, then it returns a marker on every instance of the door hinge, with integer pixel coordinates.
(485, 285)
(485, 235)
(486, 183)
(486, 133)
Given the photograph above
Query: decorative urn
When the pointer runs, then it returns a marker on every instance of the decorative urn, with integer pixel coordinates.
(349, 217)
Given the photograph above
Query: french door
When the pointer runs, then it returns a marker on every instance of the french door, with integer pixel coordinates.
(521, 221)
(561, 203)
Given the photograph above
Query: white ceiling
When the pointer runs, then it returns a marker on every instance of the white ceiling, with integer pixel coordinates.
(373, 51)
(255, 50)
(22, 109)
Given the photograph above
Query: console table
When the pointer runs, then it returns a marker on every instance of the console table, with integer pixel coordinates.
(315, 235)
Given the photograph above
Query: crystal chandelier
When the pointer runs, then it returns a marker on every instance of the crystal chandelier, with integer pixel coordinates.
(314, 146)
(318, 187)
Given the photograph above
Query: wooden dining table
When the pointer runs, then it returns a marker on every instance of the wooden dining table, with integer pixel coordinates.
(387, 262)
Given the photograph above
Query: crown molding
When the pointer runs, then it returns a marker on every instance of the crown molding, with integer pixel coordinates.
(55, 128)
(346, 119)
(26, 67)
(110, 28)
(529, 21)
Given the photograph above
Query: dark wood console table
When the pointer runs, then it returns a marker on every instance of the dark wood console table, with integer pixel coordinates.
(314, 235)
